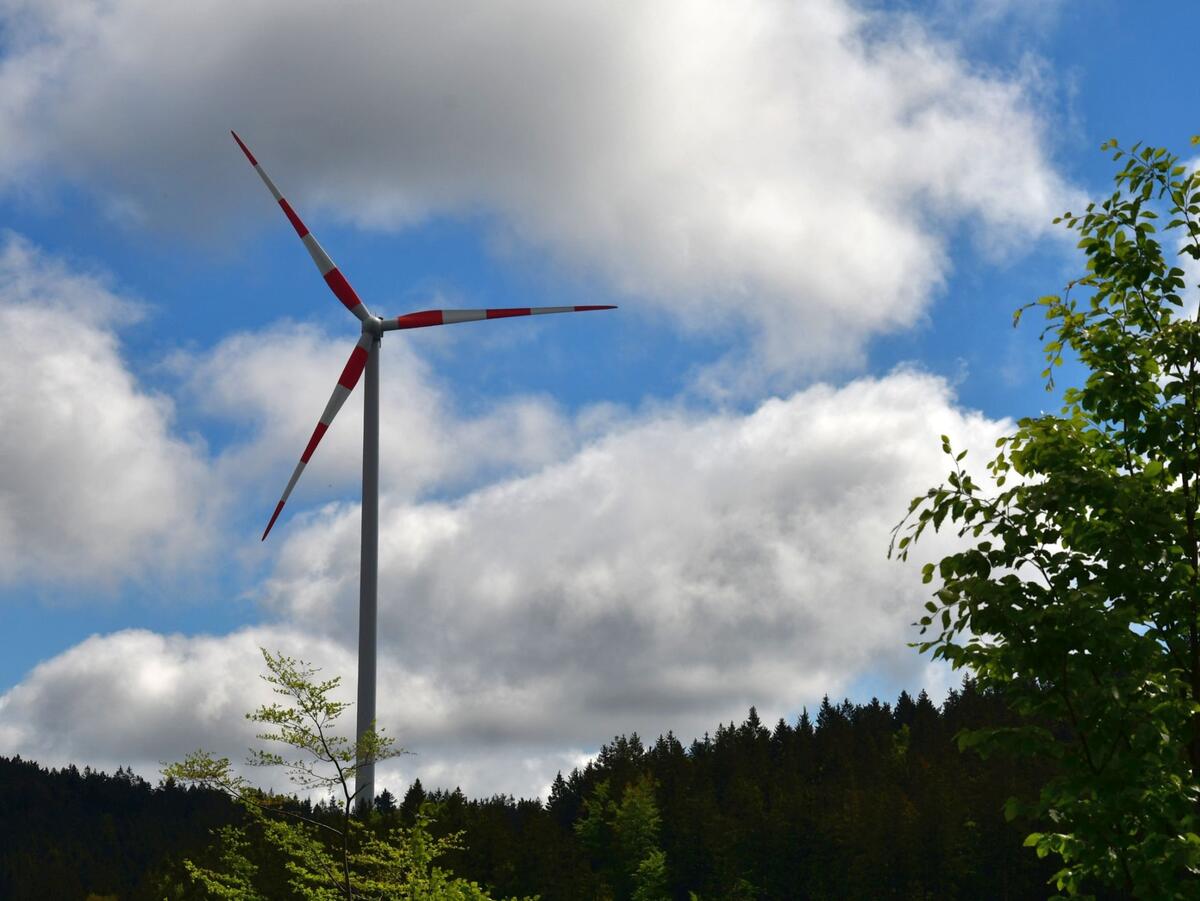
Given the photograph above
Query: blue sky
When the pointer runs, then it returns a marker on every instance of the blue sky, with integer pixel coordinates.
(816, 219)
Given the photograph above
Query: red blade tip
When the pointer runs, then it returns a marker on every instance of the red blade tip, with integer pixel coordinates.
(274, 516)
(245, 149)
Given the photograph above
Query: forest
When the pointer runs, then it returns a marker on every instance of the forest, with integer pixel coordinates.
(869, 800)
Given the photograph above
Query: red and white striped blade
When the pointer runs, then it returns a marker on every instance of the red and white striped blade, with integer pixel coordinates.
(345, 384)
(333, 276)
(426, 318)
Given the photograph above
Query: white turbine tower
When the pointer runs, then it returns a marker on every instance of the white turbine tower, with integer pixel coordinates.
(366, 356)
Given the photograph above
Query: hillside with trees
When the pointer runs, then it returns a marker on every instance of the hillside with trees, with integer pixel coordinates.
(856, 801)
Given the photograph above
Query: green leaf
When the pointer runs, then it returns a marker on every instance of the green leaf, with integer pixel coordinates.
(1012, 808)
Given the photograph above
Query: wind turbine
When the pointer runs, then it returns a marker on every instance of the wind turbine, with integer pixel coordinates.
(365, 356)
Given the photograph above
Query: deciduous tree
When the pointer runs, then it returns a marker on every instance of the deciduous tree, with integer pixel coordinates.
(1078, 591)
(325, 858)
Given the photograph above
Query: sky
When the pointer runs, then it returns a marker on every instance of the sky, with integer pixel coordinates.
(816, 219)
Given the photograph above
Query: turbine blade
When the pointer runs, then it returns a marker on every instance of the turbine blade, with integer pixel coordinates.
(329, 271)
(345, 384)
(426, 318)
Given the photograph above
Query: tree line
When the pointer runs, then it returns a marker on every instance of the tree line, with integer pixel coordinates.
(869, 800)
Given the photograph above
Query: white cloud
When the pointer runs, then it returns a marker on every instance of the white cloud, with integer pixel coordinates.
(271, 386)
(95, 488)
(667, 576)
(793, 167)
(682, 564)
(136, 698)
(99, 489)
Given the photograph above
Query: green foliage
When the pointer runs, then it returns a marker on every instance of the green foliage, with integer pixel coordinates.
(398, 865)
(1077, 594)
(636, 823)
(650, 877)
(862, 801)
(235, 876)
(594, 828)
(321, 857)
(304, 723)
(623, 839)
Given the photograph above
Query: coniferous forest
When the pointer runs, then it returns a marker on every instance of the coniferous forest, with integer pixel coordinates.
(855, 801)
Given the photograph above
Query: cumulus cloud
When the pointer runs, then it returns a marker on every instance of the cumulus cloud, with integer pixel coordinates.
(668, 575)
(140, 698)
(137, 698)
(95, 487)
(677, 567)
(788, 167)
(271, 386)
(99, 488)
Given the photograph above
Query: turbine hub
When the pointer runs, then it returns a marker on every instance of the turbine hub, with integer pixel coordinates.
(373, 325)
